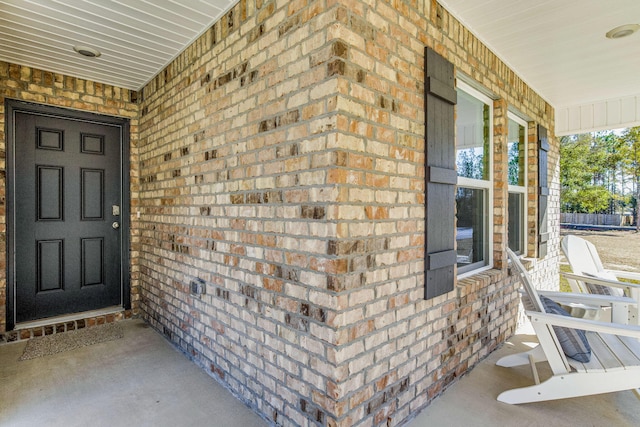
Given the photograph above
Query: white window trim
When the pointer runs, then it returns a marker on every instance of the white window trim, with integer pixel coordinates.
(518, 188)
(482, 184)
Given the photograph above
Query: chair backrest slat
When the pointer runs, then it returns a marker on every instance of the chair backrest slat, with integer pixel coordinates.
(527, 285)
(581, 255)
(545, 332)
(584, 260)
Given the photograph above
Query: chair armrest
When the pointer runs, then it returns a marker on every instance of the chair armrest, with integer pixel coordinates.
(622, 274)
(599, 281)
(588, 299)
(586, 325)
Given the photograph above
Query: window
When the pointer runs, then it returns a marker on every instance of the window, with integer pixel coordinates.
(517, 179)
(474, 125)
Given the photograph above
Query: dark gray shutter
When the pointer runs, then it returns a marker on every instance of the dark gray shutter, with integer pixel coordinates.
(543, 191)
(440, 174)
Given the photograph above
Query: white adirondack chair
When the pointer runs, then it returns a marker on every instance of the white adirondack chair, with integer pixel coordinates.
(615, 352)
(590, 276)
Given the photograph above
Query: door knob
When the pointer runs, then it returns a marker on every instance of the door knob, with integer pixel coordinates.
(115, 225)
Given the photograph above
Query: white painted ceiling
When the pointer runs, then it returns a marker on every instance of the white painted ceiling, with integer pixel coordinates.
(137, 38)
(559, 46)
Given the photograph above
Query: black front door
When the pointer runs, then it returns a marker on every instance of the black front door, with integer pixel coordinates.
(67, 210)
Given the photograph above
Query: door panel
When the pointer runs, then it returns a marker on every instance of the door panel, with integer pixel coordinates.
(49, 265)
(92, 261)
(49, 192)
(67, 254)
(92, 189)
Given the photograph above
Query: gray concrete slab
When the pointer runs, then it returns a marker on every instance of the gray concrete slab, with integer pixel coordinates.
(472, 400)
(141, 380)
(138, 380)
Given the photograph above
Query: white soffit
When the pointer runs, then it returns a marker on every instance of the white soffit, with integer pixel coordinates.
(602, 115)
(136, 38)
(559, 48)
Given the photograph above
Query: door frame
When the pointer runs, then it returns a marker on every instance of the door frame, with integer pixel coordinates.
(15, 106)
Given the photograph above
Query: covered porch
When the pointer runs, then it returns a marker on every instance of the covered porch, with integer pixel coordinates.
(142, 380)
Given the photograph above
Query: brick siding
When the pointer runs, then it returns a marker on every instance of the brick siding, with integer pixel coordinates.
(57, 327)
(282, 164)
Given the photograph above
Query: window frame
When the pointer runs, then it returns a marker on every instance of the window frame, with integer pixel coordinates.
(517, 189)
(482, 184)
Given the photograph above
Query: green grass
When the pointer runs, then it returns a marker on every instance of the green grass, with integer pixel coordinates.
(564, 285)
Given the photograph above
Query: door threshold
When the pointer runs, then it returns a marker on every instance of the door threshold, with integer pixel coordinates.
(68, 318)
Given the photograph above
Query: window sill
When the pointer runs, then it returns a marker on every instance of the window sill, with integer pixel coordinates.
(484, 276)
(474, 272)
(527, 262)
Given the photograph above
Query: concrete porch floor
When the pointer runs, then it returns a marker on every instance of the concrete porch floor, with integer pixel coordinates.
(472, 400)
(141, 380)
(138, 380)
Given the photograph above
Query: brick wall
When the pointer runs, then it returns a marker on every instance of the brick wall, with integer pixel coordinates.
(281, 164)
(43, 87)
(238, 161)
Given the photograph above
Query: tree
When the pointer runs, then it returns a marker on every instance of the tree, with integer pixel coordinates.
(590, 165)
(574, 174)
(631, 137)
(600, 172)
(470, 164)
(516, 164)
(594, 199)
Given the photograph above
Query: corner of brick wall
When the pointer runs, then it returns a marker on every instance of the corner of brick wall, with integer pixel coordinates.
(396, 352)
(237, 161)
(282, 165)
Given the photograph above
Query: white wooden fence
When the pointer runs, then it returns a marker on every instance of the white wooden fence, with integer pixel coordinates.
(596, 219)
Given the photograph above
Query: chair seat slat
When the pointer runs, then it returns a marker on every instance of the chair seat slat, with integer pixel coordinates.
(608, 353)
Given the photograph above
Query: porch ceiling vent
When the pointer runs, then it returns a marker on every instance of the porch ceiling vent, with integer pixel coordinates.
(89, 52)
(623, 31)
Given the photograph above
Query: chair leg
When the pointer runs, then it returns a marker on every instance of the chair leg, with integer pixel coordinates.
(534, 370)
(573, 385)
(521, 359)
